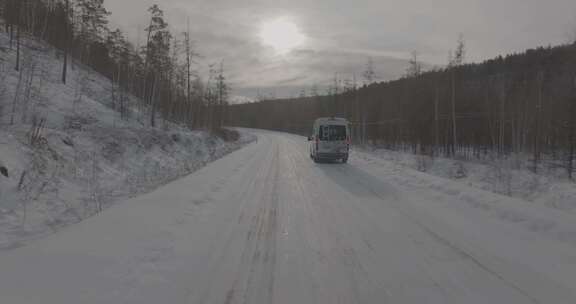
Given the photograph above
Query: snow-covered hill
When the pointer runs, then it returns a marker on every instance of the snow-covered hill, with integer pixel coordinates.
(68, 152)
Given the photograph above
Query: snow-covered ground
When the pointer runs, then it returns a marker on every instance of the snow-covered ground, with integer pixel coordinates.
(512, 177)
(266, 224)
(85, 157)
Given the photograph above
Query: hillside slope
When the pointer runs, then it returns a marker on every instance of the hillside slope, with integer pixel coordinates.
(68, 152)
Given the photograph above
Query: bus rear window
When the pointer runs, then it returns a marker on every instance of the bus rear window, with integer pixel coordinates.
(332, 133)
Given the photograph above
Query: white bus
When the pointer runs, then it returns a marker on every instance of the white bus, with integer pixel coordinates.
(330, 139)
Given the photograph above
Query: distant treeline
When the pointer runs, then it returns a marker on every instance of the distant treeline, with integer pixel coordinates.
(161, 72)
(522, 103)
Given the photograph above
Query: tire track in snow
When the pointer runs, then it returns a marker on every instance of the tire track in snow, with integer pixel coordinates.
(244, 198)
(342, 252)
(258, 260)
(447, 243)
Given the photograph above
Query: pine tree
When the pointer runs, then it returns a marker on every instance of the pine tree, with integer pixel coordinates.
(93, 21)
(157, 56)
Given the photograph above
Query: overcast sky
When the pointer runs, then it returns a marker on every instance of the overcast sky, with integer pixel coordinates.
(339, 35)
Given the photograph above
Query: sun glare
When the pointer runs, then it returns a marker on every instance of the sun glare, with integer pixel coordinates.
(281, 34)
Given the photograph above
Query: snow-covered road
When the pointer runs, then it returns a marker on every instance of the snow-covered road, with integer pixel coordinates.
(267, 225)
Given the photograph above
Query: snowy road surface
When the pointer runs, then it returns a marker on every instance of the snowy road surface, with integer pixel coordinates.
(267, 225)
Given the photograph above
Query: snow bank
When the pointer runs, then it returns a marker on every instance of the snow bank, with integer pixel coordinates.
(68, 152)
(511, 177)
(537, 203)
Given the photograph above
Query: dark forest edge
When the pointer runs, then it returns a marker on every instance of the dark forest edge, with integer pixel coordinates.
(160, 73)
(520, 104)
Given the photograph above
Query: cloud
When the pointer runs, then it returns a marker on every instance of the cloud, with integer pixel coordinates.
(342, 34)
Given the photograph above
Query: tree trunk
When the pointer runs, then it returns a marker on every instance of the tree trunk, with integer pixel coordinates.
(66, 43)
(17, 68)
(454, 135)
(436, 122)
(538, 123)
(11, 35)
(153, 101)
(16, 97)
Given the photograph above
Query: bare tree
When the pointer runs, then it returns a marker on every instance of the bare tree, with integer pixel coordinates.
(455, 60)
(222, 95)
(369, 76)
(414, 65)
(190, 54)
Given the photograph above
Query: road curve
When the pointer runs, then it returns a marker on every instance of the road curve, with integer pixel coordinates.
(267, 225)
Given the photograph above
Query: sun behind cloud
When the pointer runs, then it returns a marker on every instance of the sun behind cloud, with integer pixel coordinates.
(281, 34)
